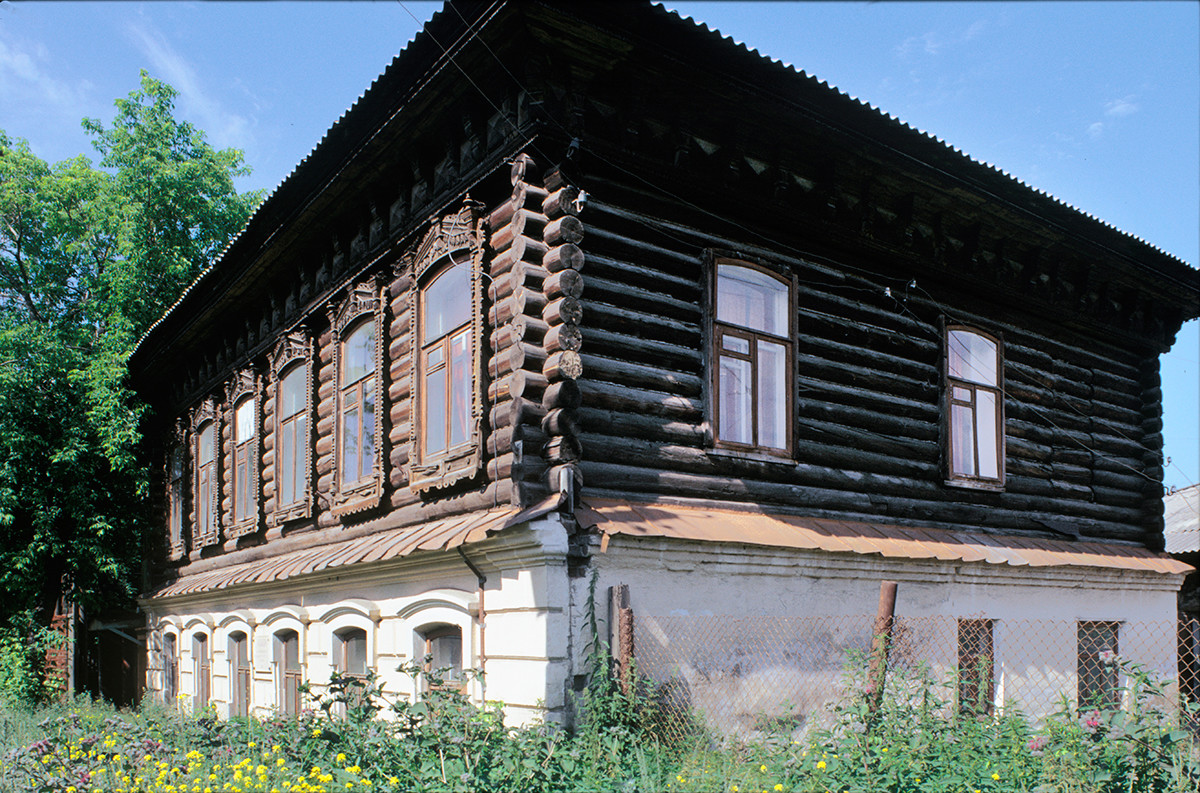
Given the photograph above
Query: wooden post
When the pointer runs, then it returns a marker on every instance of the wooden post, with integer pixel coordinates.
(881, 646)
(620, 632)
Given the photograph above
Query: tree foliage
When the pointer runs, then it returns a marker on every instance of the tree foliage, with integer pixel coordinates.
(90, 257)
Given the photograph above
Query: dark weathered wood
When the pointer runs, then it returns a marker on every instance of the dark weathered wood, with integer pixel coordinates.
(565, 283)
(521, 382)
(563, 449)
(566, 229)
(501, 441)
(639, 375)
(523, 301)
(563, 201)
(563, 365)
(518, 356)
(642, 400)
(516, 411)
(522, 222)
(524, 468)
(522, 249)
(564, 310)
(563, 257)
(564, 394)
(560, 421)
(563, 337)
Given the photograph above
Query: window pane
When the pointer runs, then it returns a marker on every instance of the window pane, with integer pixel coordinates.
(446, 650)
(206, 444)
(291, 393)
(366, 460)
(752, 299)
(434, 358)
(736, 344)
(772, 395)
(962, 440)
(435, 412)
(241, 505)
(354, 652)
(736, 410)
(985, 428)
(972, 357)
(287, 463)
(176, 463)
(460, 387)
(204, 503)
(961, 394)
(358, 353)
(299, 472)
(243, 424)
(350, 445)
(446, 302)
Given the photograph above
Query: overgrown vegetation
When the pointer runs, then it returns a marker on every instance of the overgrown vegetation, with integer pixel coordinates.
(441, 742)
(89, 258)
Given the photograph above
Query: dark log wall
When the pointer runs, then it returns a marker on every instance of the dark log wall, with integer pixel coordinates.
(1082, 428)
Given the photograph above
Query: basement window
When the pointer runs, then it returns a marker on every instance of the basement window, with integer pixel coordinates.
(976, 667)
(1096, 664)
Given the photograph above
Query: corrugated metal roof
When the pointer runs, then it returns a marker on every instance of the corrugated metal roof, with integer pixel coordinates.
(1181, 520)
(612, 517)
(437, 535)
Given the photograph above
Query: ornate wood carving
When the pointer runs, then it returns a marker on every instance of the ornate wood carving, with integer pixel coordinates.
(364, 299)
(207, 411)
(294, 349)
(245, 385)
(460, 232)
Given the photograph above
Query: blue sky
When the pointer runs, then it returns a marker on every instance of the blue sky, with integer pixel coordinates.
(1095, 103)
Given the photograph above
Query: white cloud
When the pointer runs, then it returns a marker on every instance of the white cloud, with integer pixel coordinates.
(926, 42)
(1121, 107)
(24, 77)
(222, 127)
(1096, 129)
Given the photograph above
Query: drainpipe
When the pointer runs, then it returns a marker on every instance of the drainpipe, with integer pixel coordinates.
(482, 579)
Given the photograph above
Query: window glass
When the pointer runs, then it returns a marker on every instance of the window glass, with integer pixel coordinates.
(353, 651)
(752, 299)
(976, 667)
(976, 438)
(202, 670)
(752, 393)
(447, 361)
(446, 302)
(291, 392)
(1097, 664)
(358, 352)
(170, 669)
(972, 358)
(244, 421)
(239, 662)
(206, 444)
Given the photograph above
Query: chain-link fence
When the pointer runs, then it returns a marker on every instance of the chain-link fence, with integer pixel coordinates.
(753, 676)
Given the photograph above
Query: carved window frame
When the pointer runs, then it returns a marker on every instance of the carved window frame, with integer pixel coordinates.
(177, 491)
(293, 350)
(965, 393)
(208, 412)
(364, 302)
(244, 385)
(451, 237)
(718, 330)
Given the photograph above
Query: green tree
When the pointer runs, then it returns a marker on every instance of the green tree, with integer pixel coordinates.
(89, 259)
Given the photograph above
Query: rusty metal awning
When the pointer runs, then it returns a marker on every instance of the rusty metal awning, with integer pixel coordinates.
(611, 517)
(390, 544)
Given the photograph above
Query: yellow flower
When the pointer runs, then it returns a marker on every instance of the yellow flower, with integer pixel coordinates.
(316, 733)
(820, 764)
(762, 768)
(996, 777)
(778, 787)
(341, 757)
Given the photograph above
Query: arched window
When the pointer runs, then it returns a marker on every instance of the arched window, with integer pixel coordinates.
(239, 674)
(201, 670)
(170, 666)
(206, 480)
(443, 652)
(289, 674)
(350, 652)
(752, 344)
(975, 416)
(292, 441)
(244, 434)
(446, 362)
(358, 402)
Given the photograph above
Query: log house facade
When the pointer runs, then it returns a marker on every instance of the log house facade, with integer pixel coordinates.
(400, 416)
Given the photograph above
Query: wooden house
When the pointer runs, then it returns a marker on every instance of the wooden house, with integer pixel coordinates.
(586, 295)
